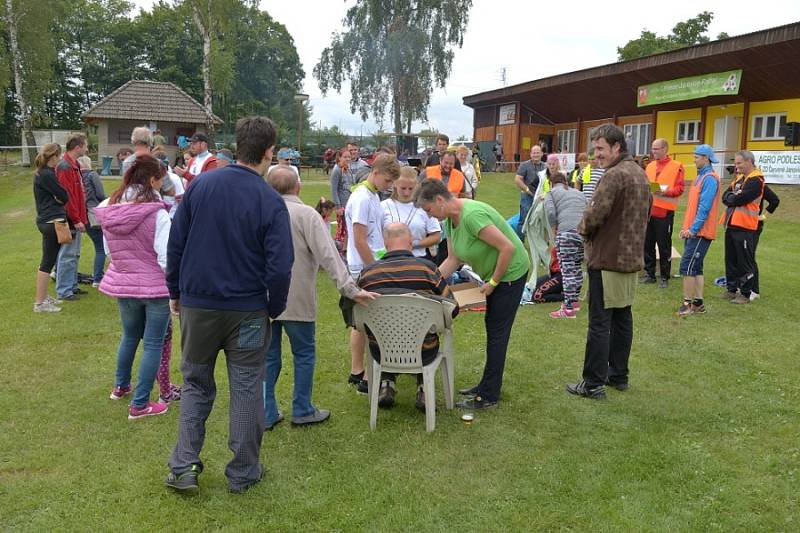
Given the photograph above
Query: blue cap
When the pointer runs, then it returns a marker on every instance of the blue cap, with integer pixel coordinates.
(706, 150)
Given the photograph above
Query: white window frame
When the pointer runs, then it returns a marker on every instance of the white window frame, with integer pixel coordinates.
(682, 132)
(640, 133)
(567, 138)
(760, 133)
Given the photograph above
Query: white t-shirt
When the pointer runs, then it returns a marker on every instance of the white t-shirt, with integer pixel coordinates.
(177, 182)
(363, 207)
(418, 221)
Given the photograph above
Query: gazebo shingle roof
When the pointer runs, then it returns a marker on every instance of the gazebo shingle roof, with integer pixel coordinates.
(150, 100)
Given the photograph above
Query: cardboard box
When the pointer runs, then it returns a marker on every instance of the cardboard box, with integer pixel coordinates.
(469, 296)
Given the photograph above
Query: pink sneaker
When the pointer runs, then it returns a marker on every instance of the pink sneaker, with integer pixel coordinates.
(150, 409)
(563, 312)
(120, 392)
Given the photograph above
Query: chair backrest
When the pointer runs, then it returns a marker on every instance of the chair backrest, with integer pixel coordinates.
(399, 324)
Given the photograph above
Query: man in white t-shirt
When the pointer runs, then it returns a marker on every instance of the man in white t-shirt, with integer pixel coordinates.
(203, 160)
(364, 217)
(425, 230)
(285, 160)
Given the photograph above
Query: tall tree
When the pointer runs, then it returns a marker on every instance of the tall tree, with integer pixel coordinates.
(686, 33)
(393, 52)
(213, 18)
(31, 53)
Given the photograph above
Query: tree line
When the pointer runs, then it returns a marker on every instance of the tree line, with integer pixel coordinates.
(60, 57)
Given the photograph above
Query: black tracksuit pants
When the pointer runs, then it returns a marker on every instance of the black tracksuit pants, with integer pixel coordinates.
(659, 233)
(740, 260)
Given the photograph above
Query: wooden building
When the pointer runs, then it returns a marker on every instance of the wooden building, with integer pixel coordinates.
(562, 111)
(156, 105)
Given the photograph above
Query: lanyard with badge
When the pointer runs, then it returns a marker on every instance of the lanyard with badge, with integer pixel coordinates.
(397, 210)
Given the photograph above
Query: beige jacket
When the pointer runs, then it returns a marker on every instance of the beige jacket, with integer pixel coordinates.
(313, 248)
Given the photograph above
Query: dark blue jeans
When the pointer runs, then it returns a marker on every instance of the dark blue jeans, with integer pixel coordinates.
(301, 339)
(96, 234)
(143, 319)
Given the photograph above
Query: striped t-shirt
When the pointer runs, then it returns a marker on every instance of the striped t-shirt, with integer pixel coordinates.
(400, 269)
(594, 179)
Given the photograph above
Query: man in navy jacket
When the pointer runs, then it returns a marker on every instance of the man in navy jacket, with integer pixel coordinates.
(229, 263)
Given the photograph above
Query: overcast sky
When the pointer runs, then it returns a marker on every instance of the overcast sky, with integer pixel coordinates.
(529, 43)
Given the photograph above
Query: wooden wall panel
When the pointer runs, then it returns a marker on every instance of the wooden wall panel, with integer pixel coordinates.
(484, 134)
(510, 141)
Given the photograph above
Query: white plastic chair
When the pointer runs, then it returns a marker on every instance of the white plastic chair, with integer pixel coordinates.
(399, 324)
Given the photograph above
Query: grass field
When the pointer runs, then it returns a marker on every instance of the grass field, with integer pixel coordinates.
(706, 439)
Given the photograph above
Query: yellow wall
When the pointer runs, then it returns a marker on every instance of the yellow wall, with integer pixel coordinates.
(790, 107)
(667, 128)
(717, 111)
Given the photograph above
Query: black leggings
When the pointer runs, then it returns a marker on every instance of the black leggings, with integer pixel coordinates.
(50, 247)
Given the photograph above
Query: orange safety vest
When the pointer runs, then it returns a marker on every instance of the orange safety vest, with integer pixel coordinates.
(666, 177)
(709, 229)
(455, 184)
(745, 216)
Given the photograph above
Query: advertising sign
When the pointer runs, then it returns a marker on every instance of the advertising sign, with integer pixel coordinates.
(713, 84)
(779, 167)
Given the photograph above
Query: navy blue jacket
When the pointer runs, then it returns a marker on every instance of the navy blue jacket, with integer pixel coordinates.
(230, 245)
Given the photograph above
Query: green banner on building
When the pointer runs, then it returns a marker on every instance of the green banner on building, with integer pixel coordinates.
(716, 83)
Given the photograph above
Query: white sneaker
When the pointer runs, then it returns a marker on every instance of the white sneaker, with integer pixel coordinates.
(754, 296)
(45, 307)
(95, 284)
(49, 299)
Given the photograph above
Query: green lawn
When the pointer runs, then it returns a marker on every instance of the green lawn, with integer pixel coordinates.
(705, 439)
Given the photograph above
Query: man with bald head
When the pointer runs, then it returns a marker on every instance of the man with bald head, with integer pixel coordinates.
(527, 180)
(669, 175)
(313, 248)
(400, 271)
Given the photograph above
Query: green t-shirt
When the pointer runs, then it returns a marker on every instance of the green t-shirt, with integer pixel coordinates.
(481, 256)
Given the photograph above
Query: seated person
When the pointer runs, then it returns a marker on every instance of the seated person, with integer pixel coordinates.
(397, 272)
(550, 288)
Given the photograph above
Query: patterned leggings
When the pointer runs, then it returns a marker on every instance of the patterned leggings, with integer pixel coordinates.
(569, 247)
(164, 385)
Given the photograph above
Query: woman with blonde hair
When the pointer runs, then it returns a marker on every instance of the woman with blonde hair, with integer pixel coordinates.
(50, 198)
(462, 155)
(425, 230)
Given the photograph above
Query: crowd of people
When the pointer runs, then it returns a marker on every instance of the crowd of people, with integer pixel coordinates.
(400, 228)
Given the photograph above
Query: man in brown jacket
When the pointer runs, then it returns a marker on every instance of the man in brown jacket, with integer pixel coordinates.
(313, 248)
(613, 227)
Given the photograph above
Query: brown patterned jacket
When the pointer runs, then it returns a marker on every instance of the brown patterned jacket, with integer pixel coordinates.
(615, 221)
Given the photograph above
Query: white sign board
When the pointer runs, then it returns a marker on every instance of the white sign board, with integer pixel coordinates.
(779, 167)
(508, 114)
(567, 162)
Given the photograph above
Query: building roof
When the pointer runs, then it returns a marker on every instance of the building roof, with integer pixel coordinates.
(768, 58)
(150, 100)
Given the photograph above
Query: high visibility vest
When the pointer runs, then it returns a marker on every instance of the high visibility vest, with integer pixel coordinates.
(709, 228)
(666, 177)
(545, 181)
(455, 183)
(745, 216)
(586, 175)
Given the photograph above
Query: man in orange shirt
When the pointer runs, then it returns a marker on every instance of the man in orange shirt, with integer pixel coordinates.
(669, 174)
(446, 171)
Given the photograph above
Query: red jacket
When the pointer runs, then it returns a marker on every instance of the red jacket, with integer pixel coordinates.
(68, 173)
